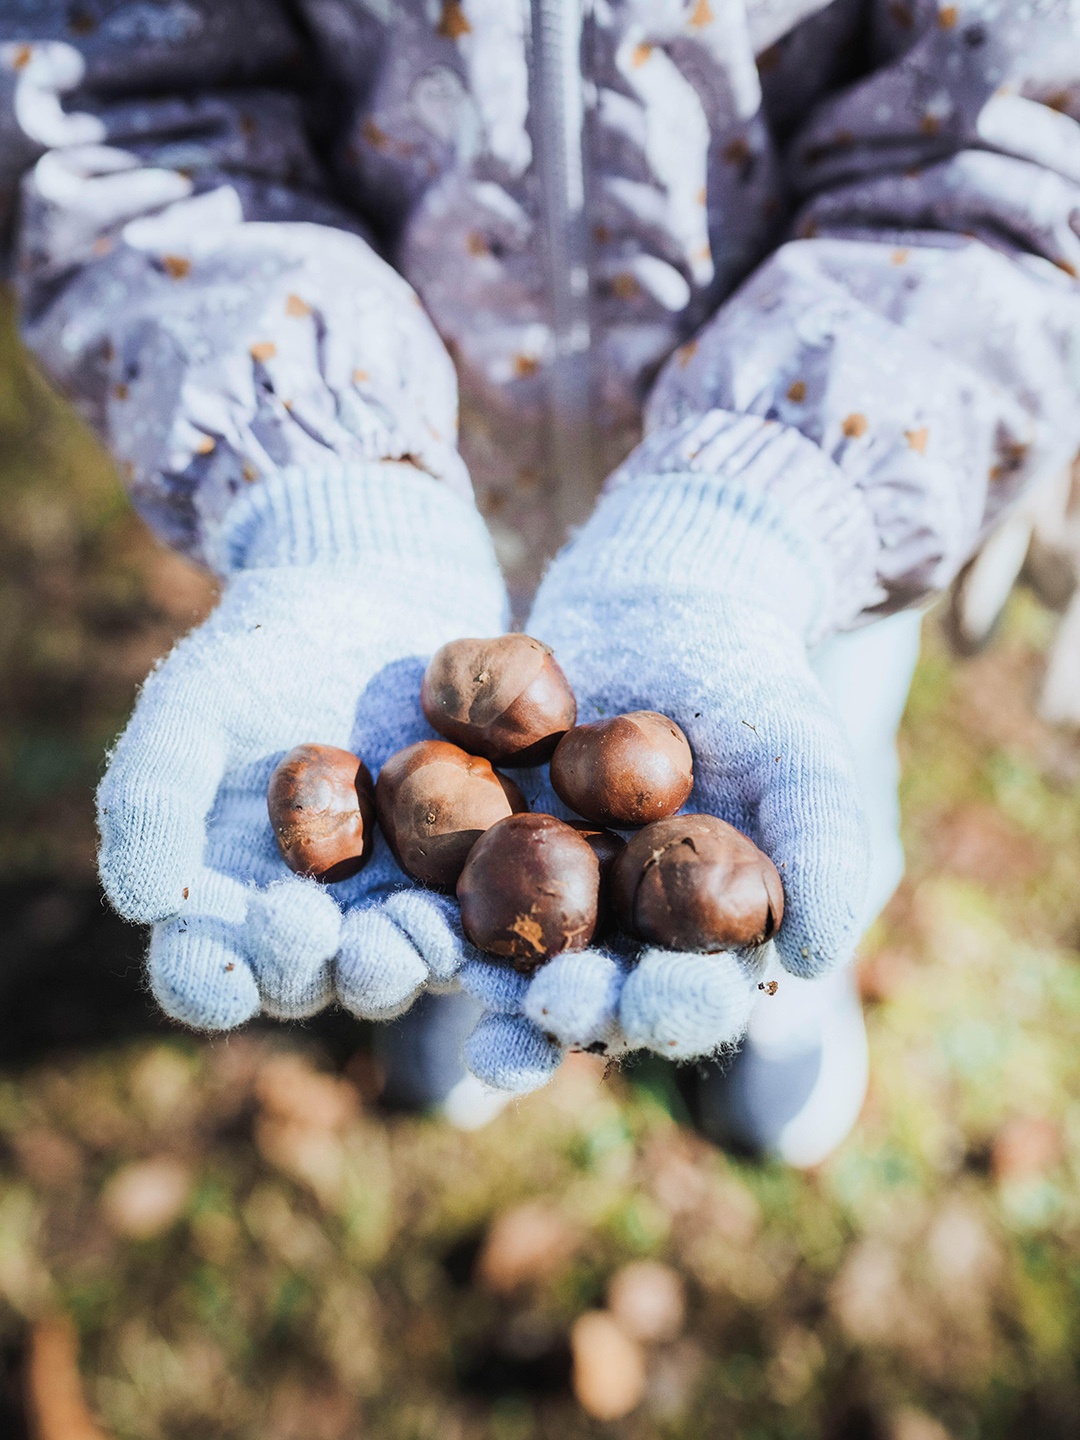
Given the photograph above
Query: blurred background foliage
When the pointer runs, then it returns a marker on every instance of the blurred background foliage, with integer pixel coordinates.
(231, 1238)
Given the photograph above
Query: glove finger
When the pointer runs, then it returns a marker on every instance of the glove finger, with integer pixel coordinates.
(685, 1005)
(156, 794)
(378, 971)
(508, 1052)
(198, 968)
(433, 924)
(791, 786)
(498, 986)
(291, 936)
(812, 824)
(771, 758)
(575, 999)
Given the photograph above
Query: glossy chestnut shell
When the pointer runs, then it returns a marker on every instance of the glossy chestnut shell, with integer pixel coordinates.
(322, 811)
(530, 890)
(625, 771)
(434, 803)
(693, 882)
(505, 698)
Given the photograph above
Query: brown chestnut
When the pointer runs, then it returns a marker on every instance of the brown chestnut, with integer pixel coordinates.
(435, 802)
(322, 811)
(693, 882)
(607, 847)
(505, 698)
(530, 890)
(627, 771)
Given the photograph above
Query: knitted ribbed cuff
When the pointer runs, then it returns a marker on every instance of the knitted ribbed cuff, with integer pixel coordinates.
(737, 505)
(694, 532)
(680, 533)
(387, 513)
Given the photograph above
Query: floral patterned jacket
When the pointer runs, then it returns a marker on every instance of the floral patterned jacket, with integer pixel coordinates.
(246, 234)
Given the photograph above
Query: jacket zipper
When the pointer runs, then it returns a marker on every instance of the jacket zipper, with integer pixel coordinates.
(558, 107)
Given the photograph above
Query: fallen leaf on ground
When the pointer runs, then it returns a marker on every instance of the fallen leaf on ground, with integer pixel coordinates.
(525, 1246)
(289, 1089)
(55, 1403)
(609, 1367)
(145, 1198)
(648, 1300)
(1025, 1148)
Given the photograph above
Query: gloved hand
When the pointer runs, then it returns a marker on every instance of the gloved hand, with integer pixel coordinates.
(690, 593)
(343, 582)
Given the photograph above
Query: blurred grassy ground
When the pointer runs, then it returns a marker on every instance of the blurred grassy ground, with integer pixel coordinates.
(249, 1247)
(88, 601)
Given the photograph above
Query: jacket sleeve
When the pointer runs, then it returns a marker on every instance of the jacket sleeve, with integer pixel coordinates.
(895, 375)
(187, 278)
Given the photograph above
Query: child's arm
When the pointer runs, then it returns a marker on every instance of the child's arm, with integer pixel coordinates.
(833, 445)
(185, 275)
(281, 409)
(921, 332)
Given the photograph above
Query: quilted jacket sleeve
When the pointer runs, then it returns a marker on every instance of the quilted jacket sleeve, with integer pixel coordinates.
(187, 278)
(896, 374)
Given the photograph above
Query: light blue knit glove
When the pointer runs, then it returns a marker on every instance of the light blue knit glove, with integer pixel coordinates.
(694, 595)
(343, 582)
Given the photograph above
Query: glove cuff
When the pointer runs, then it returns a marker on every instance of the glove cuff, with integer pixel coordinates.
(734, 505)
(387, 513)
(678, 533)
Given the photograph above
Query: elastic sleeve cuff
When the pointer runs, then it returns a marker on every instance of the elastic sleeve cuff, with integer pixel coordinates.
(385, 513)
(741, 506)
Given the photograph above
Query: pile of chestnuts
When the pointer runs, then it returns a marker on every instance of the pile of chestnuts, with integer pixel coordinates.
(531, 886)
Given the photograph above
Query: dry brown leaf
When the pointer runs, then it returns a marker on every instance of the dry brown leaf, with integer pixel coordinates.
(48, 1158)
(55, 1403)
(145, 1198)
(648, 1300)
(289, 1089)
(525, 1246)
(978, 843)
(1025, 1148)
(609, 1367)
(907, 1423)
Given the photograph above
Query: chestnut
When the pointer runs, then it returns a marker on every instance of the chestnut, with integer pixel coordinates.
(693, 882)
(626, 771)
(434, 803)
(322, 811)
(530, 890)
(607, 847)
(504, 698)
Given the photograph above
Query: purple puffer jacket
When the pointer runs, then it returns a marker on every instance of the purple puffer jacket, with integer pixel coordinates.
(247, 235)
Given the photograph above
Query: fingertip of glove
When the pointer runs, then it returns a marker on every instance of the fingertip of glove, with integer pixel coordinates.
(378, 970)
(292, 933)
(806, 963)
(433, 925)
(575, 997)
(509, 1053)
(497, 986)
(826, 943)
(685, 1005)
(149, 855)
(294, 918)
(198, 974)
